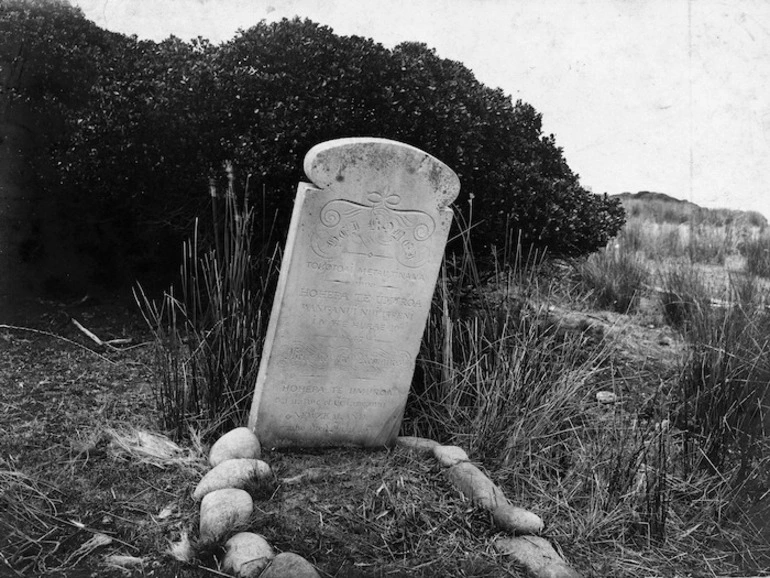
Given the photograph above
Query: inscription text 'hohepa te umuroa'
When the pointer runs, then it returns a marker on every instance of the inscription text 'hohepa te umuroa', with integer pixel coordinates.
(361, 262)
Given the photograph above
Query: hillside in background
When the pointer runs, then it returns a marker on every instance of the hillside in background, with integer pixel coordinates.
(663, 208)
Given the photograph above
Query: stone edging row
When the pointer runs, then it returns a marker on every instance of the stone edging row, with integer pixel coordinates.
(525, 546)
(226, 508)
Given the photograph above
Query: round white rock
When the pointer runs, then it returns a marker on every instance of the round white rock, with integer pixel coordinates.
(237, 443)
(223, 511)
(247, 555)
(234, 473)
(290, 565)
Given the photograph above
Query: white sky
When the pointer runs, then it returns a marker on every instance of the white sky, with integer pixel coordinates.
(633, 90)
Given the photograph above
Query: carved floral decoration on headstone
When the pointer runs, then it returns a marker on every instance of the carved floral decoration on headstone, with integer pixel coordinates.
(380, 230)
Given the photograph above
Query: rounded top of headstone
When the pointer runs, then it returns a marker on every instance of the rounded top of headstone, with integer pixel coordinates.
(384, 166)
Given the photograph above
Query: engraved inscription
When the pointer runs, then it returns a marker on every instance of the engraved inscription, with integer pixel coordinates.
(371, 316)
(378, 275)
(337, 311)
(377, 230)
(365, 298)
(323, 356)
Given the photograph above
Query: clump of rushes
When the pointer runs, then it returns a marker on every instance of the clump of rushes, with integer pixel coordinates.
(499, 376)
(685, 296)
(208, 334)
(614, 278)
(724, 386)
(757, 252)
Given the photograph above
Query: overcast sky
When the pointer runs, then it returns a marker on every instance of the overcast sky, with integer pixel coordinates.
(662, 95)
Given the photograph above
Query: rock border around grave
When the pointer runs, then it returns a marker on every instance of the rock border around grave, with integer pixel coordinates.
(525, 546)
(225, 510)
(225, 513)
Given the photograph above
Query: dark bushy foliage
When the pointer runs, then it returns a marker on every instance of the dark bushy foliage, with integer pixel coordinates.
(160, 118)
(54, 53)
(50, 56)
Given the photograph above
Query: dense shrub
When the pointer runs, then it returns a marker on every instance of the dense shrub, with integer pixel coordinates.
(137, 158)
(147, 124)
(53, 52)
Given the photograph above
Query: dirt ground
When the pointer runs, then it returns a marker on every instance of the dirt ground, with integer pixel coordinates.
(76, 502)
(74, 498)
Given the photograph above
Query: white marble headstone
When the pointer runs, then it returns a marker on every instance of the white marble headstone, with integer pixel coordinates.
(361, 262)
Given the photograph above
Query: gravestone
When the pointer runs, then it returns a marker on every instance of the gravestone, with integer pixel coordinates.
(361, 262)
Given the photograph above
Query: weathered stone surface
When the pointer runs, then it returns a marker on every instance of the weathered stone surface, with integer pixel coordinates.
(362, 257)
(449, 455)
(237, 443)
(224, 511)
(421, 445)
(516, 520)
(475, 485)
(290, 565)
(234, 473)
(247, 555)
(537, 555)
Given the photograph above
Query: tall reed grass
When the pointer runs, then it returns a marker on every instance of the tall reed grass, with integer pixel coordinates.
(613, 278)
(725, 384)
(757, 252)
(500, 376)
(209, 333)
(503, 378)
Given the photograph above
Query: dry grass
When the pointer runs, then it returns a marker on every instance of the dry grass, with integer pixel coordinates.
(503, 379)
(509, 370)
(612, 279)
(29, 520)
(757, 252)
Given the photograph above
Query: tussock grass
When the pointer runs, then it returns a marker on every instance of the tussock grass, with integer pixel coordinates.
(699, 243)
(676, 212)
(208, 337)
(613, 278)
(724, 386)
(757, 252)
(626, 489)
(670, 229)
(685, 296)
(499, 378)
